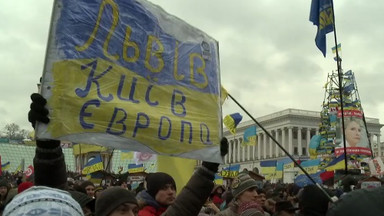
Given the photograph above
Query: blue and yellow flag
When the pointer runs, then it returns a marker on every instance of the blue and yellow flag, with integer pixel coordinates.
(6, 166)
(249, 137)
(20, 168)
(218, 180)
(95, 177)
(338, 47)
(322, 15)
(135, 168)
(231, 121)
(336, 164)
(268, 169)
(94, 164)
(310, 166)
(230, 172)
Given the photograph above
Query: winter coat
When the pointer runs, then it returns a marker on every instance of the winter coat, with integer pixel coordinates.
(149, 205)
(230, 211)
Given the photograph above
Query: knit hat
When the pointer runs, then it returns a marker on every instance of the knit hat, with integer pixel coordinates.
(83, 199)
(249, 209)
(24, 186)
(242, 183)
(40, 200)
(156, 181)
(112, 198)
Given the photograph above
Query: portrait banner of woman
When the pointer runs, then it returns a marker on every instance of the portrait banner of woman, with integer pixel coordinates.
(355, 134)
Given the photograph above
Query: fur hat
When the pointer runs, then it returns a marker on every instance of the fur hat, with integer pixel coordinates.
(156, 181)
(40, 200)
(4, 183)
(242, 183)
(112, 198)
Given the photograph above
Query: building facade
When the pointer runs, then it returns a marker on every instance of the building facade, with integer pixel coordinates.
(293, 130)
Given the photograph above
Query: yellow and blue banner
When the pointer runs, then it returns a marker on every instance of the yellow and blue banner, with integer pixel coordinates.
(81, 148)
(268, 169)
(127, 75)
(94, 164)
(95, 177)
(322, 16)
(310, 166)
(281, 165)
(230, 171)
(302, 180)
(6, 166)
(336, 164)
(231, 121)
(135, 168)
(249, 137)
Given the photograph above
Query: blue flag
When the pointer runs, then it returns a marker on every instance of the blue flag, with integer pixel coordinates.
(322, 15)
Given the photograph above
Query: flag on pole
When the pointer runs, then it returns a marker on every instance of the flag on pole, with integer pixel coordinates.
(20, 168)
(94, 164)
(249, 137)
(231, 121)
(338, 48)
(337, 163)
(322, 15)
(5, 166)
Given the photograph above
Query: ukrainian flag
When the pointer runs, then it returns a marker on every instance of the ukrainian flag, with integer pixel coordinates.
(218, 180)
(249, 136)
(311, 166)
(135, 168)
(6, 166)
(231, 121)
(93, 165)
(337, 163)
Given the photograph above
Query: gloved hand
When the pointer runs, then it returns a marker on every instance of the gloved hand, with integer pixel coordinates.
(223, 151)
(38, 111)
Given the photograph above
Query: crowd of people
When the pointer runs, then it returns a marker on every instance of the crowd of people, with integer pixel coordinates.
(51, 192)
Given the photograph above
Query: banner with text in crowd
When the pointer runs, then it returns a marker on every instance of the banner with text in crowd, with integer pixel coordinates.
(268, 169)
(230, 171)
(127, 75)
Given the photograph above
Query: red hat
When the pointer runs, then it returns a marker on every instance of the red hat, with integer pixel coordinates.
(24, 186)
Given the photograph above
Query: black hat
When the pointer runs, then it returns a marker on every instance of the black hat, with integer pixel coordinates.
(83, 199)
(156, 181)
(285, 206)
(112, 198)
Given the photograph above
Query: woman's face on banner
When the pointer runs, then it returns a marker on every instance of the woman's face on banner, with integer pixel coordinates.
(353, 133)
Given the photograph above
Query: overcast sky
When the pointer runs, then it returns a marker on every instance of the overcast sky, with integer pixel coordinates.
(269, 61)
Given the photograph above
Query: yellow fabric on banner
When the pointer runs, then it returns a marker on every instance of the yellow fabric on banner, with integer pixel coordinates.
(224, 95)
(180, 169)
(86, 148)
(289, 165)
(127, 155)
(97, 97)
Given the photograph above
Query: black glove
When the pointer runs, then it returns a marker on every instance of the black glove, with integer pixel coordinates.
(223, 151)
(38, 111)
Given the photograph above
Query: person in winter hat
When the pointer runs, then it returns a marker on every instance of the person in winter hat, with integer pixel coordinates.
(43, 201)
(244, 191)
(313, 202)
(160, 193)
(116, 201)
